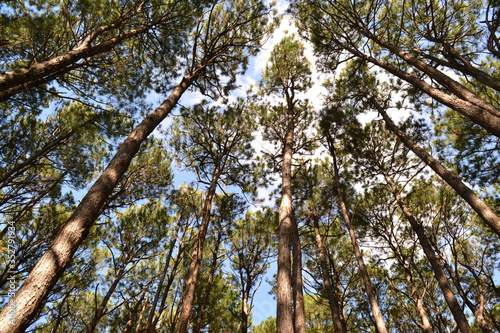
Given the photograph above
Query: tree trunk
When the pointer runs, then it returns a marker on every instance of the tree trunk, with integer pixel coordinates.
(100, 311)
(51, 266)
(479, 206)
(19, 80)
(210, 282)
(437, 268)
(245, 312)
(334, 302)
(377, 314)
(284, 311)
(150, 325)
(299, 317)
(422, 312)
(484, 114)
(180, 250)
(195, 265)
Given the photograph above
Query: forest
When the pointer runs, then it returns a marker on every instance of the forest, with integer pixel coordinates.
(161, 161)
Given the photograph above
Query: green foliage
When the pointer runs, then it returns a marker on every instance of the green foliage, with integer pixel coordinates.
(267, 326)
(288, 70)
(208, 138)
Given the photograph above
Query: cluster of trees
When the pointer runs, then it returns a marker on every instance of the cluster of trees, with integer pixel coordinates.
(386, 225)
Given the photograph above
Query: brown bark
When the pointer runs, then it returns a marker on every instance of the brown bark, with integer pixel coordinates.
(479, 206)
(422, 311)
(206, 292)
(19, 80)
(188, 296)
(50, 267)
(377, 314)
(334, 302)
(475, 109)
(440, 77)
(299, 318)
(245, 312)
(284, 311)
(437, 268)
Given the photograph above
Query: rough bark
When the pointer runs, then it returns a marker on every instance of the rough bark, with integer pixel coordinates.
(19, 80)
(481, 113)
(437, 268)
(334, 302)
(188, 296)
(479, 206)
(284, 314)
(377, 314)
(299, 318)
(30, 296)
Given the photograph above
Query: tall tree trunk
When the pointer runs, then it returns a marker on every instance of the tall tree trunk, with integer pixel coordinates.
(284, 311)
(245, 312)
(422, 312)
(479, 206)
(195, 265)
(149, 324)
(437, 268)
(299, 318)
(485, 115)
(180, 250)
(334, 302)
(206, 292)
(377, 314)
(30, 296)
(100, 311)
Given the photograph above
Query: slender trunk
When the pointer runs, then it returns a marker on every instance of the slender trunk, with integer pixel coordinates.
(422, 312)
(101, 310)
(245, 312)
(297, 282)
(377, 314)
(21, 167)
(485, 116)
(166, 290)
(479, 206)
(210, 283)
(149, 325)
(437, 268)
(284, 311)
(19, 80)
(196, 256)
(141, 315)
(23, 305)
(334, 302)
